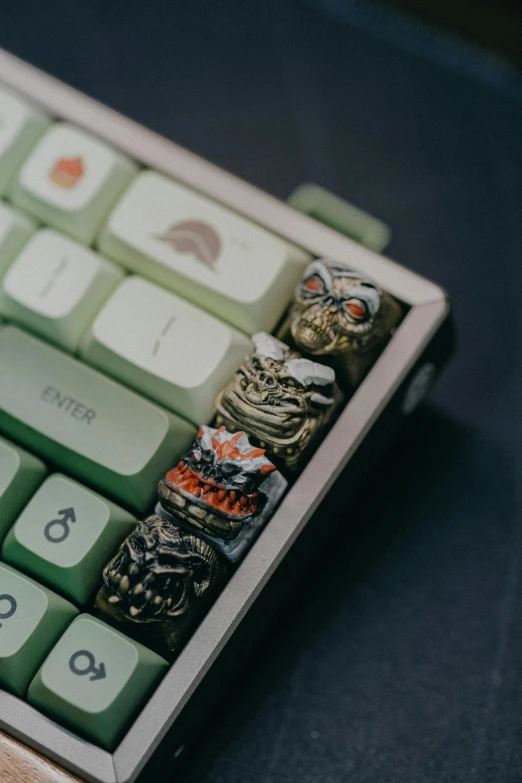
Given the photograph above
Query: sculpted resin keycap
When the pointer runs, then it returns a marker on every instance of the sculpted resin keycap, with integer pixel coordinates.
(341, 316)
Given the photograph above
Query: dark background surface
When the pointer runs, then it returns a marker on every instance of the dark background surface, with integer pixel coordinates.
(402, 661)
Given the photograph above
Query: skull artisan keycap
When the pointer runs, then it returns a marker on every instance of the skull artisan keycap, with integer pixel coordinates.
(20, 476)
(56, 286)
(203, 251)
(342, 316)
(95, 679)
(167, 348)
(71, 180)
(84, 422)
(20, 126)
(31, 620)
(65, 535)
(15, 230)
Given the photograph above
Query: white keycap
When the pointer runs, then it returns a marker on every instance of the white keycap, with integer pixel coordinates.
(165, 347)
(56, 286)
(203, 251)
(15, 230)
(71, 180)
(20, 126)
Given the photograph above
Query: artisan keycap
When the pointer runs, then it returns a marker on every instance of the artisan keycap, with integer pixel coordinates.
(85, 423)
(20, 126)
(71, 180)
(65, 535)
(20, 476)
(95, 679)
(15, 230)
(333, 211)
(31, 620)
(203, 252)
(56, 286)
(165, 347)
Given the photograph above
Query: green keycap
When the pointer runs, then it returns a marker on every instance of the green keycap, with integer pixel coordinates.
(31, 620)
(20, 475)
(95, 680)
(85, 423)
(333, 211)
(65, 535)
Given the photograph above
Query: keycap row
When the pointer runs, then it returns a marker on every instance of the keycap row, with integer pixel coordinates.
(158, 228)
(152, 340)
(84, 674)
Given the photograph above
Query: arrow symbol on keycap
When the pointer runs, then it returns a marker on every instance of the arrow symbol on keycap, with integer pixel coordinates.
(57, 530)
(98, 672)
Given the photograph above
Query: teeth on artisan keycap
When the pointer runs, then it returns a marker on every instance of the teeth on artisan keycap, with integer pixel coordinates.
(124, 584)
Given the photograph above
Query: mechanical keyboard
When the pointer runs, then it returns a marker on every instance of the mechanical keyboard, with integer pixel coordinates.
(186, 366)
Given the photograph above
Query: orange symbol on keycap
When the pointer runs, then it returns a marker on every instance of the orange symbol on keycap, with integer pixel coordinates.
(191, 236)
(67, 172)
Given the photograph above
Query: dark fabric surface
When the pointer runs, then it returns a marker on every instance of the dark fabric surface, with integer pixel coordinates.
(402, 660)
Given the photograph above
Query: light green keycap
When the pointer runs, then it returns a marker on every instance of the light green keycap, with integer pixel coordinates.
(85, 423)
(333, 211)
(71, 180)
(166, 347)
(31, 620)
(95, 680)
(20, 476)
(56, 286)
(15, 230)
(66, 535)
(20, 126)
(203, 252)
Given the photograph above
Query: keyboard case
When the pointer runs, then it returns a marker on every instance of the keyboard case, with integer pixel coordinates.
(395, 385)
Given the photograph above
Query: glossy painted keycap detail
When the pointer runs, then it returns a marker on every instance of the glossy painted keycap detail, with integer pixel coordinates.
(15, 230)
(56, 286)
(71, 180)
(20, 476)
(65, 535)
(203, 252)
(224, 489)
(95, 679)
(282, 400)
(20, 126)
(163, 576)
(84, 422)
(341, 315)
(165, 347)
(31, 620)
